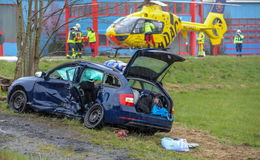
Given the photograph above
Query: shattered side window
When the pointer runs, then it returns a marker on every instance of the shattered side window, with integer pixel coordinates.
(61, 73)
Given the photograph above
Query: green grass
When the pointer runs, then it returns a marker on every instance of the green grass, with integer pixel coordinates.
(219, 94)
(216, 94)
(231, 114)
(11, 155)
(143, 147)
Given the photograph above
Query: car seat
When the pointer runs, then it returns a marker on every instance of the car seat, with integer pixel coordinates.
(89, 91)
(109, 80)
(144, 103)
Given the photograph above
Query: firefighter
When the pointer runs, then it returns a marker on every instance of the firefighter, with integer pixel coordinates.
(92, 41)
(78, 42)
(71, 42)
(148, 30)
(238, 41)
(201, 41)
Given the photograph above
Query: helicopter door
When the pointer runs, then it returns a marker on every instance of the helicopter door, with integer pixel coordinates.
(139, 27)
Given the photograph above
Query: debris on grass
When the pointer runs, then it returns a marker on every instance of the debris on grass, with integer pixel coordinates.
(4, 83)
(121, 133)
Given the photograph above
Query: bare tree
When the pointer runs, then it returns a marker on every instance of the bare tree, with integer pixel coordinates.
(29, 33)
(29, 36)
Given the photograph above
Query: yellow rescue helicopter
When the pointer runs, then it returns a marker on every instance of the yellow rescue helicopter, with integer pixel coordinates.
(129, 31)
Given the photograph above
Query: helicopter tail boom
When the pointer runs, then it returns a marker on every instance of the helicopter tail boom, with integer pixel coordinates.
(214, 26)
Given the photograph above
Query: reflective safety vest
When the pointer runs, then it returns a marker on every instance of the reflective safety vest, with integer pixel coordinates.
(201, 38)
(71, 37)
(148, 27)
(91, 36)
(78, 37)
(238, 38)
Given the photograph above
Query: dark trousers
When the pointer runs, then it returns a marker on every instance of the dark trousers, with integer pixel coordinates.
(239, 47)
(78, 47)
(71, 48)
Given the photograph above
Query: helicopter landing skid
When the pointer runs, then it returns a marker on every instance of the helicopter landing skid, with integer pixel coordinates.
(116, 52)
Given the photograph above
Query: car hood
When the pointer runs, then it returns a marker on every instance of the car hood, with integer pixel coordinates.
(149, 64)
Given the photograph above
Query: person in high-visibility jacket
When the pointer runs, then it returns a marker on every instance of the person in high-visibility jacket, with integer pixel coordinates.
(92, 41)
(78, 41)
(201, 41)
(238, 41)
(148, 31)
(71, 42)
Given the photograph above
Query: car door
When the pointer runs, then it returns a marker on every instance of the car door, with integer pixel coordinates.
(55, 93)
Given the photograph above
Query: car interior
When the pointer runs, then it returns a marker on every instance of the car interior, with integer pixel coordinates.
(145, 94)
(91, 82)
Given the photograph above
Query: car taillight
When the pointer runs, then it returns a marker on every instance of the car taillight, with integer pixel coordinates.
(126, 99)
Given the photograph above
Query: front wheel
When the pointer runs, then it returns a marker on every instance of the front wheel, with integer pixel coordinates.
(18, 101)
(94, 116)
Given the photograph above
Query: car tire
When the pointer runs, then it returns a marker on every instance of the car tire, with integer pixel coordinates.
(94, 116)
(18, 101)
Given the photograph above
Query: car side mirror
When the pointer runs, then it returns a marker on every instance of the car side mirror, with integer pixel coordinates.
(40, 74)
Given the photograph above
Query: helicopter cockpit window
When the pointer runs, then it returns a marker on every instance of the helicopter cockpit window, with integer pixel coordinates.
(158, 27)
(139, 27)
(125, 25)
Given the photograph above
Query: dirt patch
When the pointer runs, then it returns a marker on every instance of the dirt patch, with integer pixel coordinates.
(184, 87)
(212, 148)
(19, 133)
(42, 138)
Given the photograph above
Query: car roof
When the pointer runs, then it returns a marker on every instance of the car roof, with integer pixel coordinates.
(91, 64)
(98, 66)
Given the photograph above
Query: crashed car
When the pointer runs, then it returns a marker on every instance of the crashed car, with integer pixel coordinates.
(99, 94)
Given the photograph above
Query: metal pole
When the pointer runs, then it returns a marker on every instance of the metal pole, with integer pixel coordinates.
(193, 34)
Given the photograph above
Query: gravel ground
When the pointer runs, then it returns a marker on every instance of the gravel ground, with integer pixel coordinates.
(19, 133)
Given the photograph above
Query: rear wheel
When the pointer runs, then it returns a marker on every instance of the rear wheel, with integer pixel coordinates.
(94, 116)
(18, 101)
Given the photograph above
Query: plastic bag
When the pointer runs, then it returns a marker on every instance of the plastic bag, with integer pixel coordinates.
(116, 64)
(161, 111)
(175, 144)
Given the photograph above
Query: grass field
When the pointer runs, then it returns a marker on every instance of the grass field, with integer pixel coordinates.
(219, 94)
(10, 155)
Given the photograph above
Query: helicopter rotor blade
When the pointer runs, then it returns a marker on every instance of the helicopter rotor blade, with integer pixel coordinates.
(159, 3)
(191, 2)
(150, 2)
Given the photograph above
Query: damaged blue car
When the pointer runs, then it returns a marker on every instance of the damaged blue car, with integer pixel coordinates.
(99, 94)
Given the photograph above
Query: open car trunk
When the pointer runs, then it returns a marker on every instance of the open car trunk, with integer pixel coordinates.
(150, 64)
(150, 98)
(142, 72)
